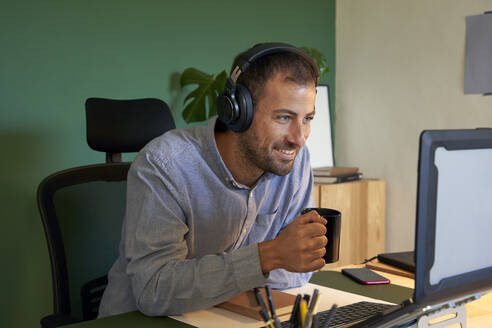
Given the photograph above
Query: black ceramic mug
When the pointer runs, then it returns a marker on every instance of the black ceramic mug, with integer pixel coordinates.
(333, 227)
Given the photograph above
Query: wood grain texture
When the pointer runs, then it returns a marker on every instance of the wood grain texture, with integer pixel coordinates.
(376, 265)
(362, 204)
(316, 191)
(246, 304)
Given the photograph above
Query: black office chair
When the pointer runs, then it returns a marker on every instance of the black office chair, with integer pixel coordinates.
(82, 208)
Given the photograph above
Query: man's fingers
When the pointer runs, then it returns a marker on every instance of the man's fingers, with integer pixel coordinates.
(320, 242)
(317, 264)
(303, 243)
(311, 264)
(316, 254)
(310, 217)
(315, 230)
(315, 243)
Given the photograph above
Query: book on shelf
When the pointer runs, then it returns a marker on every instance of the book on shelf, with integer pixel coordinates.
(332, 171)
(338, 179)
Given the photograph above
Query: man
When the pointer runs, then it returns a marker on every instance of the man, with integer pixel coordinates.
(212, 212)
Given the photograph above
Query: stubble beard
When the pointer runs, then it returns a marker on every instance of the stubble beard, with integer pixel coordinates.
(262, 157)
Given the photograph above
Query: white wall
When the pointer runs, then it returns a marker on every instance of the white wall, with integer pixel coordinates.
(399, 70)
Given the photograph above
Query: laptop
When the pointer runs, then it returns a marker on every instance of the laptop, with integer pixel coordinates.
(402, 260)
(453, 262)
(454, 212)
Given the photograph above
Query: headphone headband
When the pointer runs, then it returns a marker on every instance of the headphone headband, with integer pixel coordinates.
(262, 49)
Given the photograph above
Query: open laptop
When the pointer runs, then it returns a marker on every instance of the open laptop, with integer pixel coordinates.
(453, 228)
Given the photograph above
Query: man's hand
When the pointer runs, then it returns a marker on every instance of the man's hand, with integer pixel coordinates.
(299, 247)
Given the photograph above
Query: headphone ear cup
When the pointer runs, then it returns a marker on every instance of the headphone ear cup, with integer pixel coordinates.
(245, 104)
(225, 108)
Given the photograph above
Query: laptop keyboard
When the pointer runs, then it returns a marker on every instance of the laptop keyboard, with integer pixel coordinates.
(349, 314)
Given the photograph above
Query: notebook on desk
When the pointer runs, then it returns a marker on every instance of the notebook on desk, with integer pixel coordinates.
(402, 260)
(452, 222)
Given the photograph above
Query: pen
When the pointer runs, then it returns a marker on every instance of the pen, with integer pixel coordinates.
(263, 311)
(294, 318)
(268, 322)
(276, 321)
(303, 312)
(311, 309)
(307, 321)
(306, 298)
(314, 300)
(315, 306)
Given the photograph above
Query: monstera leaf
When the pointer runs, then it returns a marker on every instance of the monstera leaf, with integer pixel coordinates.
(319, 58)
(200, 104)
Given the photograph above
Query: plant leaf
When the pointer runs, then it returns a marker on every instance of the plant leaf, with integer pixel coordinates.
(191, 112)
(193, 76)
(220, 81)
(319, 58)
(219, 84)
(194, 94)
(196, 108)
(212, 105)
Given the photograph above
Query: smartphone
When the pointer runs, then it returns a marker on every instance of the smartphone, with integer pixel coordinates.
(365, 276)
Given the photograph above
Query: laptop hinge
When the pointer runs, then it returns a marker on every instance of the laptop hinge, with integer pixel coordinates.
(425, 317)
(447, 314)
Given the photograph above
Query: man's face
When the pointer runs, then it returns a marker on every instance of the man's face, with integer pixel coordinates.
(280, 126)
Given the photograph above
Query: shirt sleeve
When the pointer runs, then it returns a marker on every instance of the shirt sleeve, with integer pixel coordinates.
(163, 280)
(302, 198)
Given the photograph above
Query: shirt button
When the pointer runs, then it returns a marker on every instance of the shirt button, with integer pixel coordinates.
(250, 194)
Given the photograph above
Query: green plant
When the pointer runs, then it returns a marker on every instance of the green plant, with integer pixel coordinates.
(201, 101)
(200, 104)
(319, 58)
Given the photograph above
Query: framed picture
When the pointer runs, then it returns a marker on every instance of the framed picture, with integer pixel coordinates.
(320, 141)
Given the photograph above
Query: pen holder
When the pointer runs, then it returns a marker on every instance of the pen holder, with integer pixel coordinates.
(333, 228)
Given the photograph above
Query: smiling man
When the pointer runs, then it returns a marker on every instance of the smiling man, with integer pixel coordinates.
(214, 210)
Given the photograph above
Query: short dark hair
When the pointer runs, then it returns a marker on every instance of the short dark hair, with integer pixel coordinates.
(298, 70)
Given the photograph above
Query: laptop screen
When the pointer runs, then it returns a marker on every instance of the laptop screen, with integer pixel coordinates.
(454, 215)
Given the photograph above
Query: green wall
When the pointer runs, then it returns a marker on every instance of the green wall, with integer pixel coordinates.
(55, 54)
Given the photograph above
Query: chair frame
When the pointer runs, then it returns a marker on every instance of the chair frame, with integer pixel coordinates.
(137, 122)
(110, 172)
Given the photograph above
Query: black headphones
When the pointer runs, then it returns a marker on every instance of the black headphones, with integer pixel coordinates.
(234, 104)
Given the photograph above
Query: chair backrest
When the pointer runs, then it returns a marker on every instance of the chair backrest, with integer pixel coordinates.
(117, 126)
(82, 208)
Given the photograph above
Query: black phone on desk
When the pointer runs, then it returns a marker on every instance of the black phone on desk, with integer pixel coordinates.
(365, 276)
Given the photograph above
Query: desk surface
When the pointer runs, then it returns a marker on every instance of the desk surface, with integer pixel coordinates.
(479, 313)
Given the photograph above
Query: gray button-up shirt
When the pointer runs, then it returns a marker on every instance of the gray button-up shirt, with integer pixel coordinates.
(190, 235)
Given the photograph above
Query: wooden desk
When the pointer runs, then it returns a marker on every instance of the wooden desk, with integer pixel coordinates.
(479, 313)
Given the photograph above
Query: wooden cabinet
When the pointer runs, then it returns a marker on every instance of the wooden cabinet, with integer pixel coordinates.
(362, 204)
